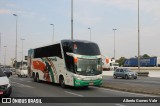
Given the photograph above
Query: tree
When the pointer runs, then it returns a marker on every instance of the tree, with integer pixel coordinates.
(145, 56)
(121, 61)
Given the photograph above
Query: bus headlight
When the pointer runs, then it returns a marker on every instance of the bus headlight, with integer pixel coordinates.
(100, 77)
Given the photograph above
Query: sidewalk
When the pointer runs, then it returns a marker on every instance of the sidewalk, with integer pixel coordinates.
(151, 73)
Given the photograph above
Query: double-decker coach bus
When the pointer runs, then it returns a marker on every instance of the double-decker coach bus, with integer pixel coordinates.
(71, 62)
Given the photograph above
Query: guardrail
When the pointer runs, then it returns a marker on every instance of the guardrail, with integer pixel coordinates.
(145, 68)
(143, 74)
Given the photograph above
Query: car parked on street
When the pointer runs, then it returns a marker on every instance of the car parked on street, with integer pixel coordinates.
(7, 71)
(124, 73)
(5, 86)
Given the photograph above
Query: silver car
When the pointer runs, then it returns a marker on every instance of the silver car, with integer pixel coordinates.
(124, 73)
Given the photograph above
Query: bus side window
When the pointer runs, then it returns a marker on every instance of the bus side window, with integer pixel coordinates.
(68, 59)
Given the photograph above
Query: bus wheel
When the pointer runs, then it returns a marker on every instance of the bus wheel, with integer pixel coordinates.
(37, 78)
(85, 87)
(34, 77)
(61, 81)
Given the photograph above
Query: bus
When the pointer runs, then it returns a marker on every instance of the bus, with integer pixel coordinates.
(75, 63)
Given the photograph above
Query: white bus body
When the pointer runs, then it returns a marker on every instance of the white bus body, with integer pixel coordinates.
(74, 63)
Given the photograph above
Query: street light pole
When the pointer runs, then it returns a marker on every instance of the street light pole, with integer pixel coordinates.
(90, 33)
(16, 41)
(53, 32)
(22, 51)
(0, 47)
(114, 43)
(138, 40)
(71, 19)
(5, 55)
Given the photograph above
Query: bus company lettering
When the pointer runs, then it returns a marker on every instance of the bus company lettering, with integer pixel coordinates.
(50, 59)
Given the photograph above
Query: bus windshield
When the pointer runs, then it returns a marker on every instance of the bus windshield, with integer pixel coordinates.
(89, 67)
(86, 48)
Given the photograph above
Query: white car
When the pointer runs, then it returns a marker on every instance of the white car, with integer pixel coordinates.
(22, 72)
(5, 86)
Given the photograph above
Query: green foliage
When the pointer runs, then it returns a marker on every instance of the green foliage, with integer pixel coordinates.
(121, 61)
(145, 56)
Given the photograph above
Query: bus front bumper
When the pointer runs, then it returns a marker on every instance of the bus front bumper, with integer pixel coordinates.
(81, 83)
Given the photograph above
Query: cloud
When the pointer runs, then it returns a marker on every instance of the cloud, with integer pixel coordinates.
(5, 11)
(146, 6)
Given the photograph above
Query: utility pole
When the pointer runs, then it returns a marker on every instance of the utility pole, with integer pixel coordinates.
(0, 47)
(71, 19)
(5, 55)
(22, 52)
(114, 43)
(16, 40)
(90, 33)
(53, 32)
(138, 40)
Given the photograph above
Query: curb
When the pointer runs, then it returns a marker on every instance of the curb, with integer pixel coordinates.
(142, 91)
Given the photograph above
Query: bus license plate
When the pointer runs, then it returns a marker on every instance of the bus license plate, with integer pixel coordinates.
(90, 83)
(1, 93)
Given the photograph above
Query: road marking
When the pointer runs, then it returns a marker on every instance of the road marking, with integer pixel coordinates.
(21, 79)
(13, 78)
(28, 81)
(119, 105)
(137, 82)
(74, 94)
(145, 95)
(152, 82)
(21, 85)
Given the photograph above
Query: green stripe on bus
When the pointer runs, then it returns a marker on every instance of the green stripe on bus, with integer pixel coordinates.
(52, 76)
(78, 83)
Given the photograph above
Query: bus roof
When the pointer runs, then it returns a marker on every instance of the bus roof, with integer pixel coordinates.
(75, 40)
(65, 40)
(45, 45)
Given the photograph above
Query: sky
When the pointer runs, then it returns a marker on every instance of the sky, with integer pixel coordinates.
(102, 16)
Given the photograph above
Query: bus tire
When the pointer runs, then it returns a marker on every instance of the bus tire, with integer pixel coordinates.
(37, 78)
(61, 82)
(85, 87)
(34, 77)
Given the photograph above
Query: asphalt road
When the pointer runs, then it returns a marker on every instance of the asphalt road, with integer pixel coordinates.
(143, 81)
(25, 87)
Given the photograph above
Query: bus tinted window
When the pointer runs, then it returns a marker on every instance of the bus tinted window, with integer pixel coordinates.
(48, 51)
(83, 48)
(67, 47)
